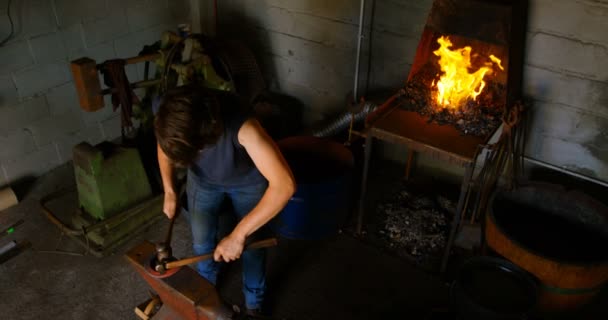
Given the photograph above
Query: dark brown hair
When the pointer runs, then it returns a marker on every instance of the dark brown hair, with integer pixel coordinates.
(187, 121)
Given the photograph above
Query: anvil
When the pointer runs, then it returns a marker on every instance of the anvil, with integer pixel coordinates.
(185, 294)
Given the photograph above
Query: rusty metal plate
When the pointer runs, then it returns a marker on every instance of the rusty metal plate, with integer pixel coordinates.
(413, 130)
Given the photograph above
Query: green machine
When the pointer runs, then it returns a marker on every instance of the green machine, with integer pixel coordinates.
(109, 178)
(115, 198)
(114, 195)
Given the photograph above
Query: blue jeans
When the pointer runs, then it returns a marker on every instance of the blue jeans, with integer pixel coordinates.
(204, 202)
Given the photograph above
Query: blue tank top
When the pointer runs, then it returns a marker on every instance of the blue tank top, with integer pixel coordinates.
(227, 163)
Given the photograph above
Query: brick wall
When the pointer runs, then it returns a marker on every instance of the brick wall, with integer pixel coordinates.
(307, 49)
(40, 120)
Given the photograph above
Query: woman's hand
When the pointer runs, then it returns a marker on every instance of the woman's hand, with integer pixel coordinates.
(170, 204)
(229, 249)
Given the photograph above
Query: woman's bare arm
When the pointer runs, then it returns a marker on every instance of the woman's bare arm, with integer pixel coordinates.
(166, 173)
(281, 186)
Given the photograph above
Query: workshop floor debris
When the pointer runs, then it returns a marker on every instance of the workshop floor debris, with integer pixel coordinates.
(409, 219)
(415, 223)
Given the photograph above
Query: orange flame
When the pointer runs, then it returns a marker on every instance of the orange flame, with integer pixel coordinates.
(457, 84)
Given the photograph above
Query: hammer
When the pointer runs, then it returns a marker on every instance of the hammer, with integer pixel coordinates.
(163, 249)
(86, 80)
(86, 77)
(266, 243)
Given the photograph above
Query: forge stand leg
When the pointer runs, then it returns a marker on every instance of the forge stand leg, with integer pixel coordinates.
(464, 187)
(408, 165)
(367, 157)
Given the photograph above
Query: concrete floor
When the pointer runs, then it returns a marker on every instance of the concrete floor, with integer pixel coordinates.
(339, 278)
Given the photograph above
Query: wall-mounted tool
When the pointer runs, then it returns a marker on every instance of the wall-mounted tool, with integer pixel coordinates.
(86, 79)
(187, 57)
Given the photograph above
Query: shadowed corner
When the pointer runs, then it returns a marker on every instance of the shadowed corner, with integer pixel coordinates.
(22, 187)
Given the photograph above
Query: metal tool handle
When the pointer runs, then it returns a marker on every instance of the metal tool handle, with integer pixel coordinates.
(163, 249)
(271, 242)
(170, 230)
(178, 208)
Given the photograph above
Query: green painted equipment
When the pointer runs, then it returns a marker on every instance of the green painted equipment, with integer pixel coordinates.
(109, 178)
(115, 198)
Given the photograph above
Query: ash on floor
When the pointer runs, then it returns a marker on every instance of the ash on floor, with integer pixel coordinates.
(414, 225)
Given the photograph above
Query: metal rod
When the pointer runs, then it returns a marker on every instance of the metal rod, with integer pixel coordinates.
(456, 219)
(5, 248)
(142, 58)
(408, 165)
(368, 155)
(358, 60)
(170, 230)
(138, 84)
(568, 172)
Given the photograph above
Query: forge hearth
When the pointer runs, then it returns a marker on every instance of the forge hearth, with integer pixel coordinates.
(479, 117)
(470, 47)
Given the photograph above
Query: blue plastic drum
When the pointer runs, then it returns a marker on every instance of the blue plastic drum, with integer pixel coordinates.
(323, 171)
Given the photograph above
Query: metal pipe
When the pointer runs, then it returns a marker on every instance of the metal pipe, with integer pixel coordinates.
(568, 172)
(359, 39)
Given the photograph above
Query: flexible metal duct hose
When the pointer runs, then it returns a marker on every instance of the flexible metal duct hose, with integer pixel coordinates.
(343, 121)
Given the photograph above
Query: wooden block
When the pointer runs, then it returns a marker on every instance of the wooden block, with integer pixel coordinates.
(147, 309)
(86, 80)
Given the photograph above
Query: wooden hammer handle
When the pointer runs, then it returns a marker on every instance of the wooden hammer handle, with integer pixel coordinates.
(255, 245)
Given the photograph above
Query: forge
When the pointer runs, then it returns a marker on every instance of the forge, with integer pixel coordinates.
(466, 72)
(464, 84)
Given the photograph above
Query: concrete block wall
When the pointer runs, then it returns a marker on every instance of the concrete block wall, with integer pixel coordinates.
(566, 75)
(40, 119)
(307, 49)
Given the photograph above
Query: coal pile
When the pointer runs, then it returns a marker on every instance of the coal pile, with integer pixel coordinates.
(478, 118)
(416, 224)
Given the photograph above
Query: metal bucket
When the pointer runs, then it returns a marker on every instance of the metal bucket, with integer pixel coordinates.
(557, 235)
(489, 288)
(323, 173)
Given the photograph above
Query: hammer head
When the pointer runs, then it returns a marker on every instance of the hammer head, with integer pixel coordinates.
(163, 251)
(157, 266)
(86, 80)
